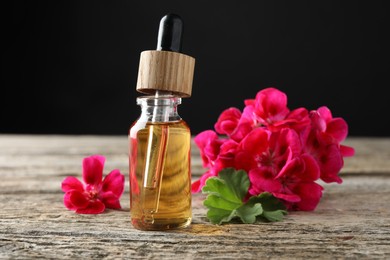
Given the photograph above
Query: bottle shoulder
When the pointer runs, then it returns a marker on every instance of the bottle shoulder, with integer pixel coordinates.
(179, 125)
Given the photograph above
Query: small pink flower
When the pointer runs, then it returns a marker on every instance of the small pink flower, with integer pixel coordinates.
(94, 195)
(227, 153)
(246, 124)
(299, 178)
(215, 153)
(271, 106)
(323, 143)
(209, 146)
(270, 110)
(252, 150)
(227, 121)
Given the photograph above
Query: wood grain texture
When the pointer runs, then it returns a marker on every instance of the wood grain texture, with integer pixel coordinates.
(167, 71)
(352, 220)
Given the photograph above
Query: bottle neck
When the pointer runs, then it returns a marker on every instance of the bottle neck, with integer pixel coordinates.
(159, 108)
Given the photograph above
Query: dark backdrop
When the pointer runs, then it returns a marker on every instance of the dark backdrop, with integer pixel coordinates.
(70, 67)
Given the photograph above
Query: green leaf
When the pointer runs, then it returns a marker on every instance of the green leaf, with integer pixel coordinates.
(218, 187)
(248, 212)
(273, 209)
(225, 200)
(237, 181)
(220, 210)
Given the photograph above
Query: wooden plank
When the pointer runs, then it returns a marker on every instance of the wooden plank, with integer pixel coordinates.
(351, 221)
(25, 153)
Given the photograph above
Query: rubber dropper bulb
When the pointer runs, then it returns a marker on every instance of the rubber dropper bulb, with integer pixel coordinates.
(167, 69)
(170, 33)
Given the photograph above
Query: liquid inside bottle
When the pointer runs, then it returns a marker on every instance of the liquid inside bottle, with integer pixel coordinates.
(160, 167)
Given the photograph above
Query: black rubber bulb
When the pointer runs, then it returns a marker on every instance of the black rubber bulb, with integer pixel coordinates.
(170, 33)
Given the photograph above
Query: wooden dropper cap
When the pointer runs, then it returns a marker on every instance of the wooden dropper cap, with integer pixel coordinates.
(166, 69)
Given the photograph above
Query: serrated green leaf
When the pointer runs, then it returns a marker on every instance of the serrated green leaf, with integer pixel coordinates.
(218, 216)
(217, 202)
(237, 181)
(273, 209)
(248, 212)
(225, 199)
(218, 187)
(269, 202)
(273, 216)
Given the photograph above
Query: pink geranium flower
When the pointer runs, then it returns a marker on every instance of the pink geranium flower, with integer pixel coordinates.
(228, 121)
(215, 153)
(323, 143)
(283, 151)
(94, 195)
(271, 104)
(294, 184)
(209, 147)
(245, 124)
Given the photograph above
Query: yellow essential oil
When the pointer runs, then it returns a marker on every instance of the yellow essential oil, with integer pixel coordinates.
(164, 201)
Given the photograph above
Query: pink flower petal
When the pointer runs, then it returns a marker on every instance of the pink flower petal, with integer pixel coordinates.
(288, 139)
(94, 207)
(110, 200)
(226, 155)
(212, 149)
(292, 167)
(318, 122)
(245, 161)
(262, 179)
(337, 128)
(245, 125)
(93, 169)
(228, 148)
(228, 121)
(287, 197)
(71, 183)
(67, 201)
(195, 187)
(311, 171)
(202, 140)
(347, 151)
(78, 199)
(310, 194)
(241, 131)
(271, 105)
(248, 115)
(299, 115)
(114, 182)
(250, 102)
(325, 113)
(331, 162)
(255, 142)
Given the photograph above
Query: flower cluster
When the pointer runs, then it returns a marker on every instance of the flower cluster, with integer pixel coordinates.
(95, 195)
(283, 151)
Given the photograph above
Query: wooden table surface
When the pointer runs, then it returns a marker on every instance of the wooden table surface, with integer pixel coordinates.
(351, 221)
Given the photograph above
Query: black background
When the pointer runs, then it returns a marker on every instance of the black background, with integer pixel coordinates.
(70, 67)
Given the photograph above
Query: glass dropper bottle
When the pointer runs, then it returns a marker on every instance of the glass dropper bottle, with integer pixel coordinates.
(160, 141)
